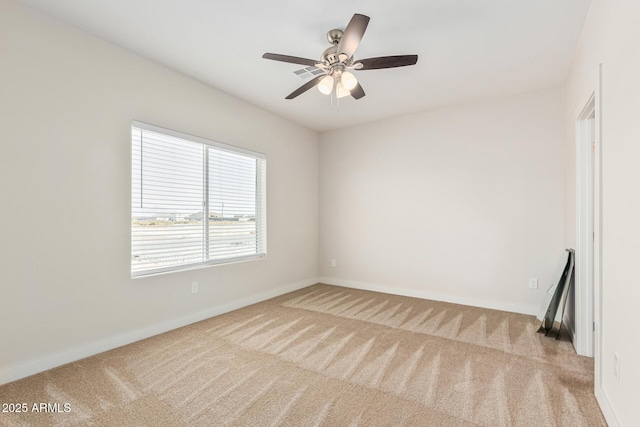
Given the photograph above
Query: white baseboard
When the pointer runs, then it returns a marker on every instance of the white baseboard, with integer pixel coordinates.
(26, 369)
(417, 293)
(605, 406)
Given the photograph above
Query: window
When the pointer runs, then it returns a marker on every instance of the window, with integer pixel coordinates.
(194, 202)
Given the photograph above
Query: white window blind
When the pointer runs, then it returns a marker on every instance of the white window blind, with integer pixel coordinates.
(193, 202)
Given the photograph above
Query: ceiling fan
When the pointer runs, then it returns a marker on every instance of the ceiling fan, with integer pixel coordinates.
(337, 62)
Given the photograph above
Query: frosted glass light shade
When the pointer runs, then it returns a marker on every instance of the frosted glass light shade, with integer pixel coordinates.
(326, 85)
(341, 92)
(348, 80)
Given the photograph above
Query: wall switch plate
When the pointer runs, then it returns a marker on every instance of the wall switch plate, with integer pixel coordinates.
(533, 283)
(194, 287)
(616, 365)
(333, 263)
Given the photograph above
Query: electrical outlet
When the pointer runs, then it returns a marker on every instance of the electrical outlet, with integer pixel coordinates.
(333, 263)
(533, 283)
(616, 365)
(194, 287)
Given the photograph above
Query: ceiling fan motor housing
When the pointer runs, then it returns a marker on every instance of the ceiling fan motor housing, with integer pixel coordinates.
(331, 57)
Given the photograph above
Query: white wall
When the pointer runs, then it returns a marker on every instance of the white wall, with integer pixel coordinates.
(462, 204)
(610, 36)
(67, 100)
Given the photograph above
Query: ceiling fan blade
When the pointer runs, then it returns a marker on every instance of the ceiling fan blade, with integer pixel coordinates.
(357, 92)
(305, 87)
(290, 59)
(387, 62)
(353, 34)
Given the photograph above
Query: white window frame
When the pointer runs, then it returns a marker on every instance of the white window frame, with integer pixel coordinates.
(260, 203)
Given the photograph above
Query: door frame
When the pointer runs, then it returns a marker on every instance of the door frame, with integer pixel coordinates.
(587, 337)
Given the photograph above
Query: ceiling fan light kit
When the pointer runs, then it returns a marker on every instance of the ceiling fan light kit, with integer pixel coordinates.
(348, 80)
(341, 91)
(325, 85)
(337, 62)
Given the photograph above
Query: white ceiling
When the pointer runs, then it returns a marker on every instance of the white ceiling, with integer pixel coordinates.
(467, 49)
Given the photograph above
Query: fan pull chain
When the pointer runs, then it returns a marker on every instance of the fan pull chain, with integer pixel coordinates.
(334, 95)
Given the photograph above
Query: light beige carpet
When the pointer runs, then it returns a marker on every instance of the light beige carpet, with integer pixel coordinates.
(328, 356)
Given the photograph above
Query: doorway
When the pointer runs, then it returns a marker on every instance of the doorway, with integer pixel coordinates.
(588, 236)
